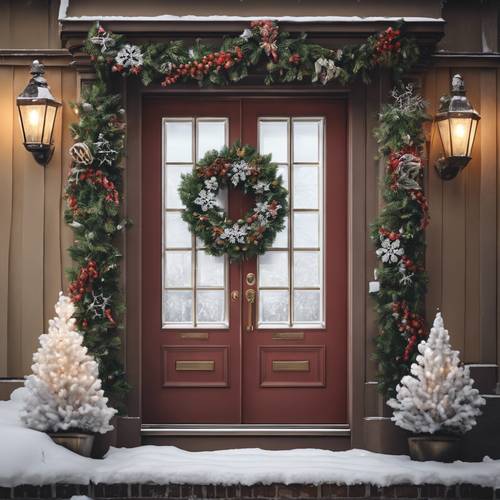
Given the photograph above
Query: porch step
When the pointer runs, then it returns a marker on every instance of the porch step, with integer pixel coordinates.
(271, 437)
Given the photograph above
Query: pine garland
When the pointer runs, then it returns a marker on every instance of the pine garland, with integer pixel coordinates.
(94, 187)
(93, 193)
(398, 234)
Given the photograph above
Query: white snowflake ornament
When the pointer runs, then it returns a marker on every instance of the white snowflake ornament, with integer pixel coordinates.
(235, 234)
(206, 200)
(390, 251)
(239, 171)
(104, 153)
(129, 56)
(260, 187)
(211, 184)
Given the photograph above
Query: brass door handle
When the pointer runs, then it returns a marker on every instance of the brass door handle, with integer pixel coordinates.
(250, 296)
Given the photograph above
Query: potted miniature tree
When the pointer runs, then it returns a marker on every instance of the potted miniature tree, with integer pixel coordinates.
(64, 392)
(437, 401)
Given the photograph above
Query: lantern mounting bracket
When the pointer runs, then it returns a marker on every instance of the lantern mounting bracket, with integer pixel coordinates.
(449, 167)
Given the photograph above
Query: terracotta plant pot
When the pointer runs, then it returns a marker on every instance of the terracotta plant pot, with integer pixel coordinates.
(77, 442)
(438, 448)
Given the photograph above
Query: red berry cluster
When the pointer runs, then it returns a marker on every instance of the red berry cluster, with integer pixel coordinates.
(98, 178)
(119, 68)
(392, 235)
(268, 32)
(294, 58)
(386, 44)
(83, 284)
(197, 69)
(422, 202)
(410, 324)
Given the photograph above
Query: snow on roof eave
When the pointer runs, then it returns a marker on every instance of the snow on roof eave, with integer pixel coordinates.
(297, 19)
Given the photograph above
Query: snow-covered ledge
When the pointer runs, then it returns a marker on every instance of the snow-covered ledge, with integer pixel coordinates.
(29, 457)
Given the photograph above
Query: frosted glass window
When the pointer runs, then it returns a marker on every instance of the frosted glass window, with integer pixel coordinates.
(273, 269)
(291, 276)
(281, 240)
(209, 270)
(305, 186)
(173, 175)
(306, 141)
(177, 234)
(283, 171)
(179, 141)
(306, 269)
(194, 283)
(273, 306)
(273, 139)
(210, 135)
(178, 268)
(306, 306)
(177, 306)
(306, 229)
(210, 306)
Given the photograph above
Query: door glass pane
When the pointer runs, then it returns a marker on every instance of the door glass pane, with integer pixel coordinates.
(210, 306)
(273, 306)
(209, 270)
(306, 141)
(173, 175)
(281, 240)
(179, 141)
(306, 229)
(273, 139)
(305, 186)
(178, 268)
(210, 135)
(283, 171)
(306, 269)
(306, 306)
(177, 234)
(201, 275)
(273, 269)
(177, 306)
(301, 251)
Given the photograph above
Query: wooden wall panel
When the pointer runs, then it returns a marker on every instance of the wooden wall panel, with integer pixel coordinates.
(33, 247)
(6, 83)
(488, 222)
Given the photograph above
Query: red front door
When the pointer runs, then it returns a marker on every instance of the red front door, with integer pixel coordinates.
(211, 355)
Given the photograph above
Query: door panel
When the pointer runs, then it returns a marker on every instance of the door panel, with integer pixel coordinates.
(295, 358)
(210, 356)
(191, 327)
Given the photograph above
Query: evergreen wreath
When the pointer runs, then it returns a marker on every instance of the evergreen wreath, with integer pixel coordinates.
(243, 168)
(94, 187)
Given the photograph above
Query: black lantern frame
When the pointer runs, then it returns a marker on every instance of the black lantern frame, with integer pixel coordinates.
(37, 114)
(457, 123)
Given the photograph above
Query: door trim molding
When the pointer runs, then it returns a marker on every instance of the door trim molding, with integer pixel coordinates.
(342, 430)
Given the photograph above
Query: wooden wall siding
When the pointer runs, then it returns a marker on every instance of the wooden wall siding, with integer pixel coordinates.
(34, 239)
(462, 236)
(29, 24)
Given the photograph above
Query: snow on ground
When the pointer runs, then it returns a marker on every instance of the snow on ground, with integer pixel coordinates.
(30, 457)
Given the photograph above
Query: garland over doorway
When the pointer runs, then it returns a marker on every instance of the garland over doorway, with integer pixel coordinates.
(94, 187)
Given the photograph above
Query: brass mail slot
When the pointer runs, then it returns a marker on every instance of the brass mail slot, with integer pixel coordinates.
(288, 336)
(194, 335)
(291, 366)
(195, 366)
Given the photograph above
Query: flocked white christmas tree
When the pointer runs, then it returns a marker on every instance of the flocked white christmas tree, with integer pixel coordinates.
(438, 396)
(64, 391)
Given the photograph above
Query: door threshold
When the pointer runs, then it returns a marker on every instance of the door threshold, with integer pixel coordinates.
(341, 430)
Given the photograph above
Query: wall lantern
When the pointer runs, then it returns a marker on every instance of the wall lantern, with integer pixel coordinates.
(457, 125)
(37, 112)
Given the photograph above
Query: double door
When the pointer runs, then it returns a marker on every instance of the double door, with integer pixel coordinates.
(263, 341)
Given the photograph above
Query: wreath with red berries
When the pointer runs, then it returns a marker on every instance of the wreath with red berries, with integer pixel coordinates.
(237, 167)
